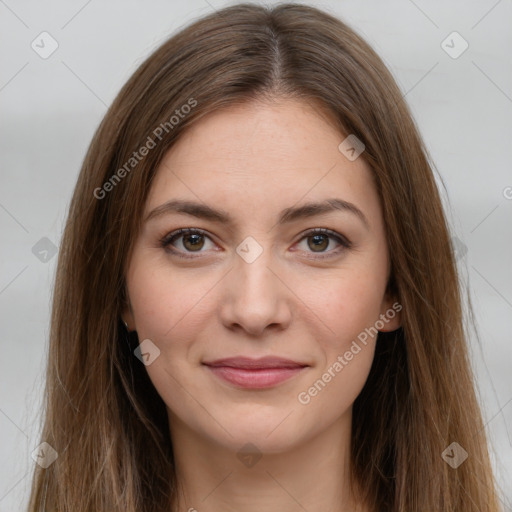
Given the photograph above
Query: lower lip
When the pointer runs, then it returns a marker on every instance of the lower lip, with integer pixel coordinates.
(255, 379)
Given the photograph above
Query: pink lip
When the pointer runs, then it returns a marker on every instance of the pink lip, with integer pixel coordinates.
(255, 373)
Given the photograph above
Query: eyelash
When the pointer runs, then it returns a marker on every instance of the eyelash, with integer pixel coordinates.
(167, 240)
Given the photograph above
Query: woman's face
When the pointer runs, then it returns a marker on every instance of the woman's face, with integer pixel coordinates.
(255, 281)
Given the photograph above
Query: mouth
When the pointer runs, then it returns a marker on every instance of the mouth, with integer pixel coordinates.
(250, 373)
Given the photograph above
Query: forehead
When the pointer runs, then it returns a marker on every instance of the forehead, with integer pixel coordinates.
(282, 131)
(272, 155)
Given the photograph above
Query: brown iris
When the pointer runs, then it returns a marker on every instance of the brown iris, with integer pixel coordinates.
(196, 241)
(323, 242)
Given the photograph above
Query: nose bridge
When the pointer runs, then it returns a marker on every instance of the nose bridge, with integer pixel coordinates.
(253, 272)
(255, 280)
(257, 298)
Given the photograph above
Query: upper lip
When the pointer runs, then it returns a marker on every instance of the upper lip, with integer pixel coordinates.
(261, 363)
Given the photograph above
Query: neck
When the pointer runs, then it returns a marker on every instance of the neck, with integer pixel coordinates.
(313, 476)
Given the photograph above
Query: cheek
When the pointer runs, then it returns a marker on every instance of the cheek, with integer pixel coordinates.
(171, 308)
(168, 310)
(333, 390)
(347, 308)
(345, 304)
(165, 301)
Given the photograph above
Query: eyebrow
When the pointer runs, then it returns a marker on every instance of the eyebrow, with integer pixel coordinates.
(203, 211)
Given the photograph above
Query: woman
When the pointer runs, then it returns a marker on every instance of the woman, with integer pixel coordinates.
(256, 305)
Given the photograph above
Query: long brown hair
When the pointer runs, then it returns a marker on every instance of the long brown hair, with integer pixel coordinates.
(103, 416)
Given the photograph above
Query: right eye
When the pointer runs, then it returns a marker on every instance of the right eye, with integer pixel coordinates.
(192, 240)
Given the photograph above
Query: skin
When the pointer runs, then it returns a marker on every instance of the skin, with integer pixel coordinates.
(253, 161)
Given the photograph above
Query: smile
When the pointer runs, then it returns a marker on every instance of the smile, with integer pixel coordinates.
(255, 373)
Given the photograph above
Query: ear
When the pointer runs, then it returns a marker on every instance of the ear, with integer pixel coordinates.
(390, 314)
(127, 318)
(127, 312)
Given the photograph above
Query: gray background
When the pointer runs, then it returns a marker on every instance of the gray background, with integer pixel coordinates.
(50, 108)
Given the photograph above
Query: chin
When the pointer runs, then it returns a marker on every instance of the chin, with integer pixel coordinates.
(270, 433)
(251, 439)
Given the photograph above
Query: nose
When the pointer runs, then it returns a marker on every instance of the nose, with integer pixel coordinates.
(256, 297)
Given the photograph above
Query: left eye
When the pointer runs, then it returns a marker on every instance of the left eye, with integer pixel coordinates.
(193, 240)
(321, 239)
